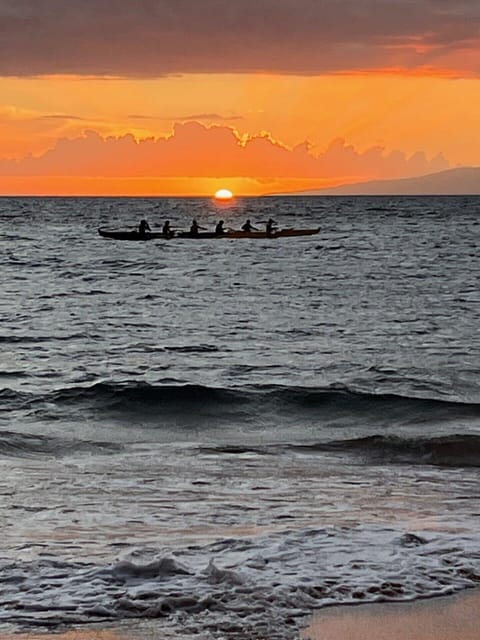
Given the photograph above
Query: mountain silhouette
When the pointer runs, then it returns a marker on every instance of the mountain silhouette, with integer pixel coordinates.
(460, 181)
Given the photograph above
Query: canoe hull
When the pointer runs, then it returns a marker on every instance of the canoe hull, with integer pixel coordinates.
(130, 235)
(281, 233)
(201, 235)
(134, 235)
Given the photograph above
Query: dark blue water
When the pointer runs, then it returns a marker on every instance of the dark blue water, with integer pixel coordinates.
(232, 433)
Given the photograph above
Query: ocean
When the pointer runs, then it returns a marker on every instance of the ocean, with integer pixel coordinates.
(227, 435)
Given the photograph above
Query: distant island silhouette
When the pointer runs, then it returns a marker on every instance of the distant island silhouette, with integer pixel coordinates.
(460, 181)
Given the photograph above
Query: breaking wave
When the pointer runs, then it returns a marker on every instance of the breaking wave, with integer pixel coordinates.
(29, 445)
(460, 450)
(173, 394)
(455, 450)
(380, 422)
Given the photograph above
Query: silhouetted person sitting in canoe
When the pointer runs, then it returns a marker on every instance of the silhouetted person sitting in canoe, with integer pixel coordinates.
(248, 226)
(219, 229)
(167, 229)
(270, 226)
(195, 227)
(143, 227)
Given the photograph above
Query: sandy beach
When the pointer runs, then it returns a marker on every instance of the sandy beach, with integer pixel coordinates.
(454, 617)
(446, 618)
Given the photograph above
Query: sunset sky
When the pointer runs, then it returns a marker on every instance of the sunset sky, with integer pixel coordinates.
(183, 97)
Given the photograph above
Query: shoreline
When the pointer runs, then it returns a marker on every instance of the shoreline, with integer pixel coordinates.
(451, 617)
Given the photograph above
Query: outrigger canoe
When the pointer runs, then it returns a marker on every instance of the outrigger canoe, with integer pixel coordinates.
(204, 235)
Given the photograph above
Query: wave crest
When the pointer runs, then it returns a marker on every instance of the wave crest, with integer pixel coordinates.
(173, 392)
(454, 450)
(24, 445)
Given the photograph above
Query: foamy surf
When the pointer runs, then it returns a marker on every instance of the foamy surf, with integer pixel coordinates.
(245, 588)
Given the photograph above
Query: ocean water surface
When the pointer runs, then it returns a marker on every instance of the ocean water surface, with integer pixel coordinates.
(227, 435)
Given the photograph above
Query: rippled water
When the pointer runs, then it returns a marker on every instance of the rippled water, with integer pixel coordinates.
(229, 434)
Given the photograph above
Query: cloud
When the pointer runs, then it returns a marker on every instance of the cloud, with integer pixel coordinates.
(217, 151)
(27, 131)
(149, 38)
(211, 117)
(61, 116)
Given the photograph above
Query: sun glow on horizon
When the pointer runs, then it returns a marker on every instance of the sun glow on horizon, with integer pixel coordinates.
(223, 194)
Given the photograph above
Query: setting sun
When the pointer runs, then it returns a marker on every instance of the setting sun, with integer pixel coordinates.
(223, 194)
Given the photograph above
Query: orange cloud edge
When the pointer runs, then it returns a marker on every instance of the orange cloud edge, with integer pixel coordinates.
(199, 160)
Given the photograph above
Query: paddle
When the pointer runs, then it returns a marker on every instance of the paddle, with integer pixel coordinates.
(273, 229)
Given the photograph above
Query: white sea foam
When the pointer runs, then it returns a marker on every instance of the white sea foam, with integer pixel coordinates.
(269, 538)
(249, 586)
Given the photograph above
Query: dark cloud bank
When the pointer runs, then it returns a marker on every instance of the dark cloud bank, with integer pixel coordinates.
(147, 38)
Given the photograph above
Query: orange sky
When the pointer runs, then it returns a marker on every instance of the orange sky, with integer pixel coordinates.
(286, 103)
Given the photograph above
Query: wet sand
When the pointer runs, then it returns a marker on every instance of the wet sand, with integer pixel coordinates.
(446, 618)
(131, 629)
(82, 634)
